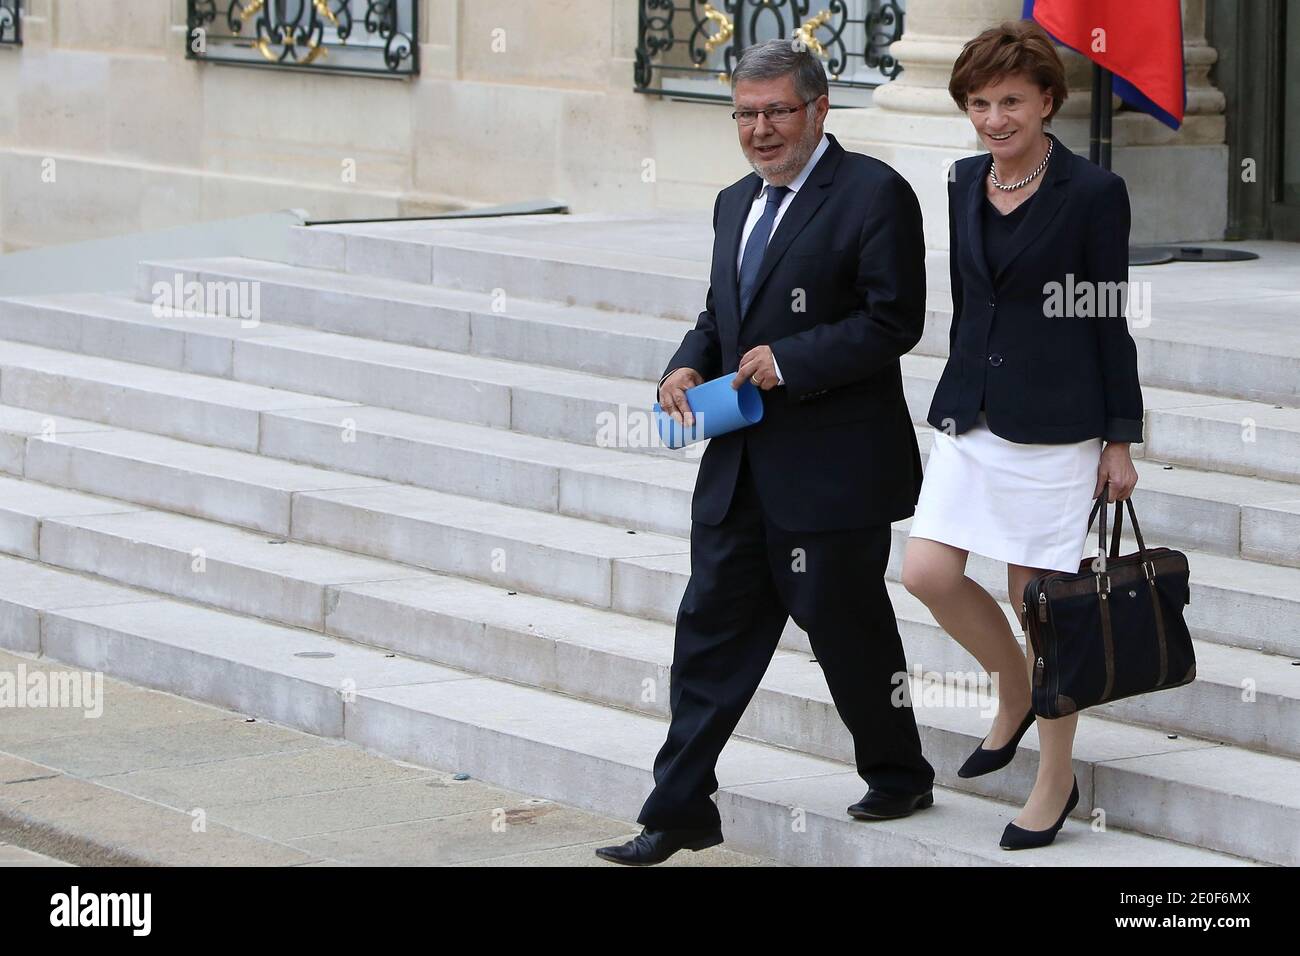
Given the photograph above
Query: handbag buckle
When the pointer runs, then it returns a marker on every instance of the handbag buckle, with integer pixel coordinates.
(1101, 575)
(1149, 569)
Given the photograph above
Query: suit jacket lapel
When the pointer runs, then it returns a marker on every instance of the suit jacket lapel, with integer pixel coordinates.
(805, 203)
(975, 218)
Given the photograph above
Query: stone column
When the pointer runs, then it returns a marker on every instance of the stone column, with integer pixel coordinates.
(934, 33)
(914, 125)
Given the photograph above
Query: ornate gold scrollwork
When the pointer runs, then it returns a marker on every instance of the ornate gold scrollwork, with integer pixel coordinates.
(323, 8)
(314, 51)
(725, 28)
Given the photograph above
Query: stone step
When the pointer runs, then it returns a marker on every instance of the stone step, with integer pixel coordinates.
(1271, 532)
(239, 567)
(211, 411)
(1180, 341)
(638, 346)
(1246, 438)
(1234, 601)
(510, 735)
(1178, 504)
(252, 491)
(1197, 432)
(571, 406)
(234, 569)
(587, 275)
(259, 493)
(465, 341)
(185, 388)
(1246, 603)
(626, 345)
(525, 393)
(584, 654)
(1233, 515)
(631, 492)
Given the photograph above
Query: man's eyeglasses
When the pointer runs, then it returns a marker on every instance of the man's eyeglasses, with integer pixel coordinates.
(774, 114)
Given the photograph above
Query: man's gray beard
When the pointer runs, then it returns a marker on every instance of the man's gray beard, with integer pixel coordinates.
(804, 148)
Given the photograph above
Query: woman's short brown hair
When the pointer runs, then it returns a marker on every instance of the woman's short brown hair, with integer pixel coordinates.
(1017, 46)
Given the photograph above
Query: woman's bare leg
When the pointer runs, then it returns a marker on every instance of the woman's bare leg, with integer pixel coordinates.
(1055, 738)
(936, 573)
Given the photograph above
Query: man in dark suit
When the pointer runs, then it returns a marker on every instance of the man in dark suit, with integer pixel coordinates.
(817, 288)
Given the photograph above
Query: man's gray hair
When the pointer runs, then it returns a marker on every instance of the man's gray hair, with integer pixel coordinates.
(766, 61)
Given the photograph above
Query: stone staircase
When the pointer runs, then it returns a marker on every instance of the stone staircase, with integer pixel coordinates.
(385, 512)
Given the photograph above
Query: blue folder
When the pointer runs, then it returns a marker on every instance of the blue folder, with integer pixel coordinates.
(718, 409)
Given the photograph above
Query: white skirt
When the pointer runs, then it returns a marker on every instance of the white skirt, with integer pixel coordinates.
(1022, 504)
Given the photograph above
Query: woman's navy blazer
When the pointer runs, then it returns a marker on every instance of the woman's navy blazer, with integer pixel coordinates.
(1044, 342)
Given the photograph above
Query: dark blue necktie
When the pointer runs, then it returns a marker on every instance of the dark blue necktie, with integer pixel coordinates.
(752, 260)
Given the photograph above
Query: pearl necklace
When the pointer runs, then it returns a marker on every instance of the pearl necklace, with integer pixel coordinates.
(993, 172)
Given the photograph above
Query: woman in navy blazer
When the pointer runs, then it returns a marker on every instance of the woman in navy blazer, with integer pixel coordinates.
(1041, 374)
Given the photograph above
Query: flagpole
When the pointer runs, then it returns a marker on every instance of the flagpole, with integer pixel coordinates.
(1099, 139)
(1099, 151)
(1094, 131)
(1106, 114)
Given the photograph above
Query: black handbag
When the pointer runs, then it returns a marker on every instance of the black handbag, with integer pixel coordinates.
(1114, 629)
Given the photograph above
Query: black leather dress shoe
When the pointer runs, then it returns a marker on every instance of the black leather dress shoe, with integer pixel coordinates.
(654, 846)
(884, 806)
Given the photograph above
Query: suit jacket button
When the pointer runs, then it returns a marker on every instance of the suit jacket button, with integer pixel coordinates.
(995, 359)
(993, 303)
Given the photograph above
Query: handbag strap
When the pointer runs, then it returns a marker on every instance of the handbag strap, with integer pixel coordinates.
(1100, 506)
(1137, 530)
(1114, 537)
(1102, 501)
(1103, 605)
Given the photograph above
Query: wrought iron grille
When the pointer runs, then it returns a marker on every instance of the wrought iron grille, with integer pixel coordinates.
(378, 37)
(682, 45)
(11, 23)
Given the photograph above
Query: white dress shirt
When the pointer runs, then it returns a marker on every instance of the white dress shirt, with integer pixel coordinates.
(760, 203)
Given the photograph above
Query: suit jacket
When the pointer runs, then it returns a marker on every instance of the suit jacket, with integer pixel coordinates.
(841, 296)
(1043, 377)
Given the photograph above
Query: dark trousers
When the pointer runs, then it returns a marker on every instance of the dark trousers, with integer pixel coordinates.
(747, 578)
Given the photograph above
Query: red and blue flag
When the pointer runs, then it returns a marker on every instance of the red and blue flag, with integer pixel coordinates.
(1141, 43)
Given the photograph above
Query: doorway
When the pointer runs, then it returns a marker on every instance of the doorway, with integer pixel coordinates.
(1258, 42)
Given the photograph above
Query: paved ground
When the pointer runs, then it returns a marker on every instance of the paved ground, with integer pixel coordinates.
(158, 779)
(11, 855)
